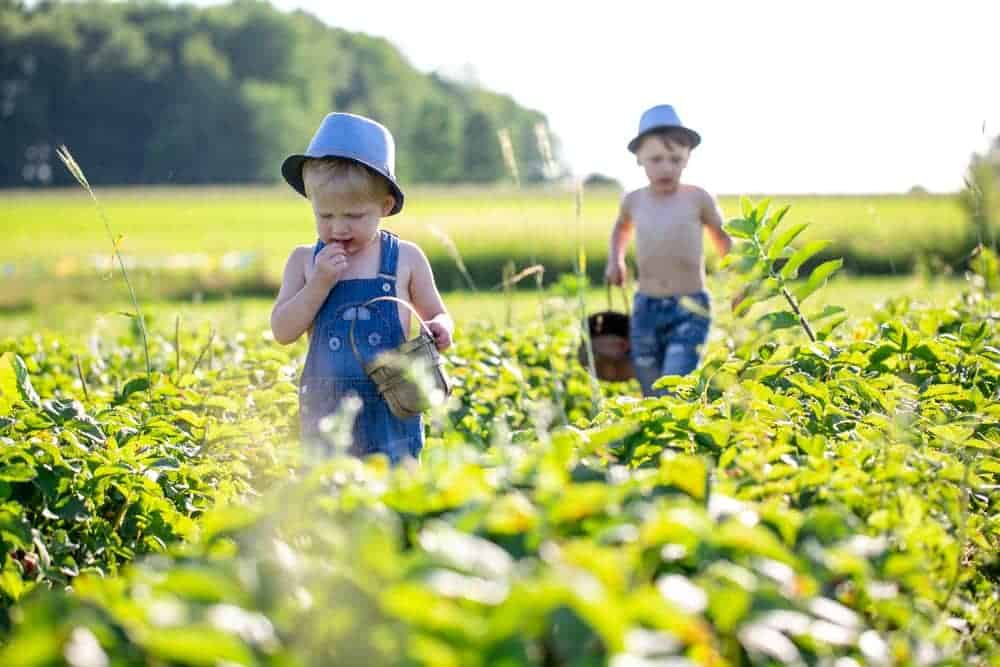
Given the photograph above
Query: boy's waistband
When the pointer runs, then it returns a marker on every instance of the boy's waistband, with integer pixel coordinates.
(674, 297)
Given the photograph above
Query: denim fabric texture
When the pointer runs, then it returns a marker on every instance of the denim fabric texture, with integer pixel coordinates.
(332, 370)
(667, 335)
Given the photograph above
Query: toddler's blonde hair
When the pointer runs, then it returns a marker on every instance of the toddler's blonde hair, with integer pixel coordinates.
(347, 178)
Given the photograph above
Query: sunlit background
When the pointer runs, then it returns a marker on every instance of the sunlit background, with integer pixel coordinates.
(790, 97)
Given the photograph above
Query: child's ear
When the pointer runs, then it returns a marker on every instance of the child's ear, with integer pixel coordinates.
(387, 205)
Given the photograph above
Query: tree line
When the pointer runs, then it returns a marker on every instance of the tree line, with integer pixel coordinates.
(148, 93)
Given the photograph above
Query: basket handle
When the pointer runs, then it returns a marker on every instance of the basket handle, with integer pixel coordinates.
(402, 302)
(625, 298)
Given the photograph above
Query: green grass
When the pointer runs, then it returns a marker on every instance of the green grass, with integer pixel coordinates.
(58, 232)
(858, 295)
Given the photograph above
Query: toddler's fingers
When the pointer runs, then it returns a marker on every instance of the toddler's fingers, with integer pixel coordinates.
(336, 259)
(334, 253)
(442, 339)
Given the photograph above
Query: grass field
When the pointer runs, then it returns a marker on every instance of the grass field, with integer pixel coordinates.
(202, 230)
(859, 295)
(787, 503)
(226, 247)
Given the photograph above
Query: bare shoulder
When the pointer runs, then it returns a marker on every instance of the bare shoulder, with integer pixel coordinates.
(630, 198)
(300, 257)
(632, 195)
(297, 267)
(296, 272)
(412, 264)
(699, 194)
(410, 255)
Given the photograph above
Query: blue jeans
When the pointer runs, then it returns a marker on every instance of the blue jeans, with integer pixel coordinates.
(667, 335)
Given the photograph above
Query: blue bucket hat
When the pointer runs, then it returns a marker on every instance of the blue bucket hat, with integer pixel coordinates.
(357, 138)
(655, 118)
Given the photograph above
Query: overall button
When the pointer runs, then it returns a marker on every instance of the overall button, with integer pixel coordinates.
(335, 343)
(386, 287)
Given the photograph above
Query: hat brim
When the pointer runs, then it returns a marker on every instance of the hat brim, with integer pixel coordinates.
(633, 145)
(291, 169)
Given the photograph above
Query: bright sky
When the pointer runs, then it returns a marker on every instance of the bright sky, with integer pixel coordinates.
(796, 96)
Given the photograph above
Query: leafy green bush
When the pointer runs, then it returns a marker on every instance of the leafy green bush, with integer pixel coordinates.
(828, 502)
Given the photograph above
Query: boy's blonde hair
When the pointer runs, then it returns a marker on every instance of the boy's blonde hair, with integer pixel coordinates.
(670, 137)
(347, 178)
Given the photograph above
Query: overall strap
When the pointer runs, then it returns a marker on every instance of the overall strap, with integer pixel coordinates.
(319, 246)
(390, 254)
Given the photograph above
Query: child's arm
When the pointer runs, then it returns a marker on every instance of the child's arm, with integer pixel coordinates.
(425, 297)
(621, 236)
(711, 217)
(300, 298)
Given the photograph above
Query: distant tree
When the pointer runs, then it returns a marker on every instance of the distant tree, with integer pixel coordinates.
(204, 132)
(482, 160)
(598, 180)
(150, 92)
(436, 140)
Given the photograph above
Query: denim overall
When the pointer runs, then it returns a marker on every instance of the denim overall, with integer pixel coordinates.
(332, 371)
(666, 338)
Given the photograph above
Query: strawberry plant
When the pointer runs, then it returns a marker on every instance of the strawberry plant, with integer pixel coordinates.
(802, 500)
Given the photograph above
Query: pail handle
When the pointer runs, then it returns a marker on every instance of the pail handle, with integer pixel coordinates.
(625, 298)
(402, 302)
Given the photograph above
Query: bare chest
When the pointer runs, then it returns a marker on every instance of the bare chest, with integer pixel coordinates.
(671, 218)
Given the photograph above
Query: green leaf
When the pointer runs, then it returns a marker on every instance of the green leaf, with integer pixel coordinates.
(744, 255)
(882, 353)
(746, 206)
(8, 383)
(953, 433)
(741, 228)
(827, 312)
(783, 239)
(810, 386)
(17, 472)
(728, 604)
(15, 383)
(605, 435)
(761, 208)
(791, 268)
(745, 304)
(198, 646)
(223, 402)
(688, 473)
(132, 386)
(782, 319)
(826, 328)
(73, 508)
(202, 584)
(780, 214)
(949, 391)
(928, 352)
(11, 584)
(770, 224)
(818, 277)
(14, 526)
